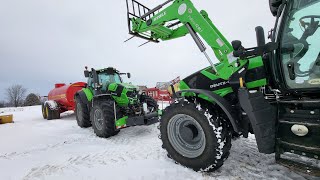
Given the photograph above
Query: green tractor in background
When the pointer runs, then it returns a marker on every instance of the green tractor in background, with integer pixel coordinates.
(108, 104)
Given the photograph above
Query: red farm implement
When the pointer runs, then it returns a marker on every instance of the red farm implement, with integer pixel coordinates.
(60, 99)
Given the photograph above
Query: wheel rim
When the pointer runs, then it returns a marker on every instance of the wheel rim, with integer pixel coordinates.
(47, 110)
(79, 112)
(186, 136)
(43, 112)
(98, 119)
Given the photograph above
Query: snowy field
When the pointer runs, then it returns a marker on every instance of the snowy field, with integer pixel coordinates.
(34, 148)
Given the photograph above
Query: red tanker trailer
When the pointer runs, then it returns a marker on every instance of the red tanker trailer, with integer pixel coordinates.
(60, 99)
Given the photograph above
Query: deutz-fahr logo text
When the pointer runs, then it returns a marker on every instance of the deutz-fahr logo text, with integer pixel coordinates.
(219, 84)
(160, 16)
(195, 23)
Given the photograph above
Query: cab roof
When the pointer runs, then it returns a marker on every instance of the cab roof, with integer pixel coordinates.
(109, 70)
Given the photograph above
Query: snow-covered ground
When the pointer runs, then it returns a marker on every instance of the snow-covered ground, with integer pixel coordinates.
(34, 148)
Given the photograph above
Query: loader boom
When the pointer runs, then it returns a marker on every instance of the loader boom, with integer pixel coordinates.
(178, 19)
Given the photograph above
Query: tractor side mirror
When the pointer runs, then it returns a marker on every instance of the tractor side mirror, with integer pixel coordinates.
(129, 75)
(86, 73)
(237, 45)
(274, 6)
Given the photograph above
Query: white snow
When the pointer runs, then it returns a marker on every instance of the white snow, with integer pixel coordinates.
(52, 105)
(163, 104)
(34, 148)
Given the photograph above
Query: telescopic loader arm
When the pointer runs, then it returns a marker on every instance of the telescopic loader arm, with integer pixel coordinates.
(178, 19)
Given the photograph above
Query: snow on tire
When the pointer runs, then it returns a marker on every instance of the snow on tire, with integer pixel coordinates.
(51, 110)
(195, 136)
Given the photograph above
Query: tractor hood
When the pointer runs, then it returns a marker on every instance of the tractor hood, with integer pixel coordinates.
(129, 86)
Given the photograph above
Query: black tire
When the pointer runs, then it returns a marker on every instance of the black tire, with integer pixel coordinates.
(51, 114)
(44, 114)
(82, 113)
(200, 123)
(151, 103)
(103, 118)
(57, 114)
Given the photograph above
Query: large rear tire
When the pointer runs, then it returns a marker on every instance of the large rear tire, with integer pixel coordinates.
(82, 113)
(195, 136)
(103, 118)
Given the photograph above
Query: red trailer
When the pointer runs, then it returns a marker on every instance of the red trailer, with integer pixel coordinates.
(60, 99)
(158, 95)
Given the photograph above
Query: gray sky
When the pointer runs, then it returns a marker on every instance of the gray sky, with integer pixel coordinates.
(48, 42)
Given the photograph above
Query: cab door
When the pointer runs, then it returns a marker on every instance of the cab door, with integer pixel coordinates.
(300, 45)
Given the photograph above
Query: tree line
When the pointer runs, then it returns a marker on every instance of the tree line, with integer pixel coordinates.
(16, 97)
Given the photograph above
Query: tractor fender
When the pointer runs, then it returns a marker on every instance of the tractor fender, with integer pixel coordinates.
(221, 102)
(100, 97)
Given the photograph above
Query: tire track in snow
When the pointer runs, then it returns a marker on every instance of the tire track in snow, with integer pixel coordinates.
(77, 137)
(13, 155)
(142, 143)
(120, 153)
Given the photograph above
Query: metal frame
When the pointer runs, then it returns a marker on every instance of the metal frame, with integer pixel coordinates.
(138, 10)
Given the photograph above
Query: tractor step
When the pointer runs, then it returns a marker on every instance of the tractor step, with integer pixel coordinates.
(300, 149)
(300, 167)
(288, 140)
(299, 128)
(300, 123)
(299, 133)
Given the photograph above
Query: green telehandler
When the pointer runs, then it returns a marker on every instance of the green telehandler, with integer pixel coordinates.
(271, 91)
(108, 104)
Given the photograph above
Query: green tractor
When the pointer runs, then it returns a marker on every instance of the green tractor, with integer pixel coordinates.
(108, 104)
(271, 91)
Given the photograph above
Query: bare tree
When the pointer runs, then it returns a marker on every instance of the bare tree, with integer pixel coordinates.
(16, 94)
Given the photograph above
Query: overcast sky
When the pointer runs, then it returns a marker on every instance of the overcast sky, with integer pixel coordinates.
(43, 42)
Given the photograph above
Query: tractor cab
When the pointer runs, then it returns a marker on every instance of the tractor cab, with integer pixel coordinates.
(101, 79)
(297, 33)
